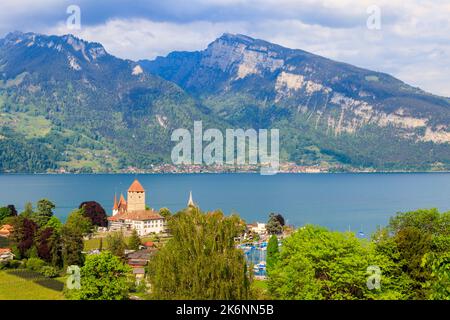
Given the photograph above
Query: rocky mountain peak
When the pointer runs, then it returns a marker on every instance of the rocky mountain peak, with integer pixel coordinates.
(241, 55)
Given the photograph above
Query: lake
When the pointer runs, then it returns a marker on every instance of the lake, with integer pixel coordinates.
(337, 201)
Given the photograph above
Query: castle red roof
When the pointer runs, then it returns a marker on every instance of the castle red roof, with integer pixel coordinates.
(136, 187)
(140, 215)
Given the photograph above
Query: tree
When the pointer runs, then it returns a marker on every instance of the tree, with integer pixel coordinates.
(24, 231)
(200, 261)
(13, 210)
(7, 212)
(315, 263)
(272, 253)
(72, 246)
(44, 212)
(275, 224)
(165, 213)
(44, 245)
(439, 284)
(77, 220)
(134, 242)
(95, 212)
(28, 211)
(409, 238)
(4, 213)
(103, 277)
(54, 223)
(116, 244)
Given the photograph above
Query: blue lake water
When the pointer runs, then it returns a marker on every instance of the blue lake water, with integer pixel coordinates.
(337, 201)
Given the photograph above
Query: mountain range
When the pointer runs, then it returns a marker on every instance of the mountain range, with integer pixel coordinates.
(68, 103)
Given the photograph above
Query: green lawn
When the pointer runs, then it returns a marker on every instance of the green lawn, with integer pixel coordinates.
(25, 285)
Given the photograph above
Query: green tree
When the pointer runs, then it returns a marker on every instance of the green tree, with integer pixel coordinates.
(200, 261)
(165, 213)
(72, 246)
(103, 277)
(28, 211)
(5, 212)
(44, 211)
(77, 220)
(272, 253)
(116, 244)
(54, 223)
(134, 242)
(439, 282)
(408, 239)
(315, 263)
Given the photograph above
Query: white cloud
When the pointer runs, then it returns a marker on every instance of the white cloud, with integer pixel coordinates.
(413, 43)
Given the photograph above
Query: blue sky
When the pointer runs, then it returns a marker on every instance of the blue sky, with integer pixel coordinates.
(413, 43)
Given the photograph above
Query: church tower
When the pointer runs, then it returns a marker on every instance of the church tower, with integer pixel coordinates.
(136, 197)
(115, 206)
(191, 203)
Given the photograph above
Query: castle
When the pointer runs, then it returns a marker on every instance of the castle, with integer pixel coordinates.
(132, 213)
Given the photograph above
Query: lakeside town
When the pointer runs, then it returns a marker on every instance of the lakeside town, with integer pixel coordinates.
(288, 167)
(138, 252)
(134, 231)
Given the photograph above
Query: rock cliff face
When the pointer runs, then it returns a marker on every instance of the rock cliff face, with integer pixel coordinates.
(339, 96)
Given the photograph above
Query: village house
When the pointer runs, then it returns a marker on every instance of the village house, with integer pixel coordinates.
(259, 228)
(138, 260)
(6, 254)
(6, 230)
(133, 214)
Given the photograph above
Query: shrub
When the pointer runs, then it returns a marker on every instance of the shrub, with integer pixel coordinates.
(49, 272)
(11, 264)
(35, 264)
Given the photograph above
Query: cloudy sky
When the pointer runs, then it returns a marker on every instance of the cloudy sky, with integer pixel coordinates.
(412, 43)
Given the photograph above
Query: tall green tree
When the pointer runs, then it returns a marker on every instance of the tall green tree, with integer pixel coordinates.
(44, 211)
(272, 253)
(72, 246)
(28, 211)
(116, 244)
(103, 277)
(77, 220)
(134, 242)
(201, 261)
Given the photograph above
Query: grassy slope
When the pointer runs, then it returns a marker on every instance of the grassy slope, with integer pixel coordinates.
(13, 287)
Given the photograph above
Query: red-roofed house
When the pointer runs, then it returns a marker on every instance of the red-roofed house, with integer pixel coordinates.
(5, 230)
(6, 254)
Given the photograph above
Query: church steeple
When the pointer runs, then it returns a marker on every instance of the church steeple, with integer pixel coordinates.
(115, 206)
(190, 201)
